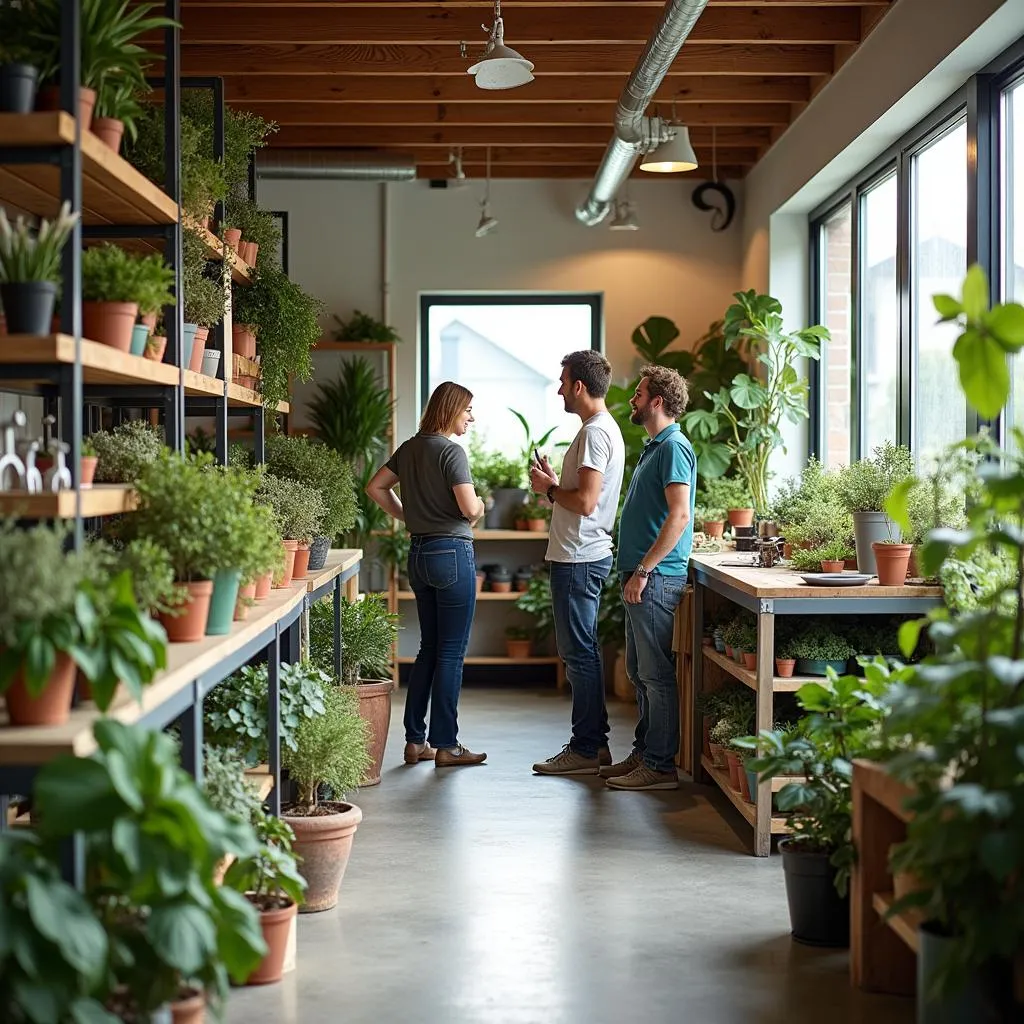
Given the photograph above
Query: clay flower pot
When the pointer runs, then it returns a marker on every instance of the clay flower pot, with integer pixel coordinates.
(290, 548)
(191, 625)
(246, 594)
(714, 529)
(536, 525)
(156, 345)
(148, 320)
(741, 516)
(891, 561)
(264, 585)
(300, 569)
(501, 586)
(274, 924)
(323, 843)
(49, 99)
(195, 361)
(833, 565)
(744, 784)
(87, 470)
(109, 130)
(749, 660)
(190, 1010)
(717, 755)
(52, 706)
(232, 236)
(784, 667)
(375, 709)
(110, 323)
(243, 341)
(733, 761)
(518, 650)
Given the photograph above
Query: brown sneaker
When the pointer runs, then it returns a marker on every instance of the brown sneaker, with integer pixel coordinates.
(604, 756)
(616, 771)
(643, 777)
(445, 758)
(567, 762)
(416, 752)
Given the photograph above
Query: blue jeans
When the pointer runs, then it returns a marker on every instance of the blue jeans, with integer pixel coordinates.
(651, 665)
(575, 598)
(443, 577)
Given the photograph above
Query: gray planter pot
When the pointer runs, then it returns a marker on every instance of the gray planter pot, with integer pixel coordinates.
(507, 502)
(984, 999)
(869, 528)
(318, 553)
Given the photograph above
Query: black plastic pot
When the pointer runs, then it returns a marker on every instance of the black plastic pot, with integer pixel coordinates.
(817, 914)
(985, 999)
(318, 553)
(18, 88)
(28, 306)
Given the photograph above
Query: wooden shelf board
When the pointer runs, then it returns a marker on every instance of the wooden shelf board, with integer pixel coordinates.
(101, 364)
(330, 345)
(748, 677)
(877, 783)
(486, 595)
(113, 191)
(721, 777)
(510, 535)
(261, 778)
(338, 560)
(478, 659)
(200, 384)
(237, 395)
(241, 272)
(905, 924)
(98, 500)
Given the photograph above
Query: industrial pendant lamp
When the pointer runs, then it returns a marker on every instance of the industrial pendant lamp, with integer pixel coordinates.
(672, 157)
(624, 218)
(487, 223)
(501, 67)
(458, 178)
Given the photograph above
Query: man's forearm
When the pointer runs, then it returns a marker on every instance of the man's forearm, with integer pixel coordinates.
(668, 537)
(572, 499)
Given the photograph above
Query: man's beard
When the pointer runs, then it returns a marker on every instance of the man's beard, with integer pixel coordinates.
(638, 416)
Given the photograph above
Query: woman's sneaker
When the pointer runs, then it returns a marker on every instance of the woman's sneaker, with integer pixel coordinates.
(451, 757)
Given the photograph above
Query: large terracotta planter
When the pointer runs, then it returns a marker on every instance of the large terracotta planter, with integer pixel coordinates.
(191, 1010)
(109, 130)
(264, 585)
(110, 323)
(190, 626)
(300, 569)
(891, 563)
(52, 706)
(375, 709)
(275, 925)
(324, 842)
(290, 547)
(741, 516)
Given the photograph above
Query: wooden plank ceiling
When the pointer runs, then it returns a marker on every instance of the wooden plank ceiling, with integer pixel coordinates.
(388, 75)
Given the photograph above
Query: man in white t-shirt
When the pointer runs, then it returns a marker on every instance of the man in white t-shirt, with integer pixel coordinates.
(585, 501)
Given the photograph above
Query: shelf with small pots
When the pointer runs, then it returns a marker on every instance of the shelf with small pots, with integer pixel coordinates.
(745, 807)
(97, 500)
(241, 270)
(780, 684)
(239, 396)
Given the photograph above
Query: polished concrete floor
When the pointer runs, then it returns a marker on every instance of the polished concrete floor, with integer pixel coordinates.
(490, 896)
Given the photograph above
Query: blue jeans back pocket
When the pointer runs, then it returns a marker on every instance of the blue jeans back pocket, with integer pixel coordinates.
(440, 568)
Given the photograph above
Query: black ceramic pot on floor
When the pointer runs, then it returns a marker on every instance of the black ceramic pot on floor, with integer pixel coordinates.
(817, 913)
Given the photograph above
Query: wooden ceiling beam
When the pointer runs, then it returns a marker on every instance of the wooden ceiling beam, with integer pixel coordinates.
(482, 114)
(251, 89)
(308, 61)
(535, 26)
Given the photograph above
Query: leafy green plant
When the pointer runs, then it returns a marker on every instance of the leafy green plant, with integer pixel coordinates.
(352, 414)
(709, 514)
(299, 511)
(532, 443)
(822, 522)
(27, 255)
(536, 601)
(819, 642)
(226, 788)
(752, 409)
(733, 701)
(493, 470)
(109, 274)
(257, 225)
(536, 509)
(126, 451)
(725, 492)
(330, 749)
(865, 485)
(363, 327)
(154, 283)
(204, 298)
(264, 551)
(810, 559)
(118, 98)
(270, 878)
(368, 634)
(519, 633)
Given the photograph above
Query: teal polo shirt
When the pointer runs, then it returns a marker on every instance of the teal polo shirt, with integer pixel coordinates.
(666, 459)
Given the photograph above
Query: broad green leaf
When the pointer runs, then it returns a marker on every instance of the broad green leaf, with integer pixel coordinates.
(88, 1011)
(62, 915)
(947, 307)
(653, 336)
(910, 634)
(897, 504)
(75, 794)
(38, 1002)
(1006, 323)
(984, 373)
(748, 393)
(975, 296)
(182, 935)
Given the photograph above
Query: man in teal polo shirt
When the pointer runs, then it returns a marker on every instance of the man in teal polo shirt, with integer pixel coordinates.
(655, 538)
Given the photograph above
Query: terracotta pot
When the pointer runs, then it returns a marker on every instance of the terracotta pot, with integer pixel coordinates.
(109, 130)
(264, 585)
(48, 98)
(833, 565)
(913, 568)
(242, 607)
(749, 660)
(501, 586)
(741, 516)
(191, 626)
(251, 252)
(850, 563)
(195, 362)
(275, 924)
(110, 323)
(323, 843)
(155, 348)
(290, 547)
(891, 561)
(733, 761)
(300, 569)
(232, 236)
(87, 470)
(191, 1010)
(705, 748)
(787, 549)
(536, 525)
(52, 706)
(148, 320)
(744, 783)
(243, 341)
(714, 529)
(728, 651)
(375, 709)
(717, 755)
(480, 577)
(784, 667)
(518, 650)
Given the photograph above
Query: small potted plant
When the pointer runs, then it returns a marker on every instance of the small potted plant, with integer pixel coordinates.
(722, 733)
(30, 270)
(833, 555)
(785, 662)
(712, 520)
(117, 108)
(747, 645)
(263, 556)
(109, 295)
(819, 648)
(518, 642)
(156, 342)
(125, 452)
(87, 464)
(330, 750)
(299, 511)
(19, 64)
(152, 577)
(363, 327)
(536, 514)
(733, 495)
(892, 558)
(501, 580)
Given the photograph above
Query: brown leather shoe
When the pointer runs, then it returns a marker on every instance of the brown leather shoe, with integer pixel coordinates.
(456, 756)
(416, 752)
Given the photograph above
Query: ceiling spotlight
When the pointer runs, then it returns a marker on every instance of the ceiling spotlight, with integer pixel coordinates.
(625, 217)
(501, 67)
(672, 157)
(487, 223)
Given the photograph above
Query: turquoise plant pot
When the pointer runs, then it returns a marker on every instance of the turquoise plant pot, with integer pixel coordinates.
(222, 604)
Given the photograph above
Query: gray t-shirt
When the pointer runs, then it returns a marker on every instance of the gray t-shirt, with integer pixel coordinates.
(576, 538)
(429, 466)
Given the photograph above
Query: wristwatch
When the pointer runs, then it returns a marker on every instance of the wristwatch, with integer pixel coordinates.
(642, 572)
(550, 493)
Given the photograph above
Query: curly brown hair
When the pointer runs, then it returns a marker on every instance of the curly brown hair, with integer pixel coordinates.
(669, 386)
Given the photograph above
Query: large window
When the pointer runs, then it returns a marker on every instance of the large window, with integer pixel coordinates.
(939, 262)
(507, 349)
(836, 254)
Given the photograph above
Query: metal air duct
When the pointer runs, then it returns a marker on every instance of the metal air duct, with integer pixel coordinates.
(634, 133)
(333, 164)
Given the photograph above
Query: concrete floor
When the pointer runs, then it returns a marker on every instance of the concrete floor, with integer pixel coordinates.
(490, 896)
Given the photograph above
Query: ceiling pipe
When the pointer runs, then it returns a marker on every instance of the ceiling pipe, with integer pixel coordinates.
(333, 164)
(634, 133)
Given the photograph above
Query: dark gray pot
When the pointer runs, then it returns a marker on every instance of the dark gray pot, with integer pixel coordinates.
(507, 503)
(985, 999)
(869, 528)
(318, 553)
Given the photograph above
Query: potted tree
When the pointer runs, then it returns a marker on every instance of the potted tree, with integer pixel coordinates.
(30, 270)
(368, 635)
(299, 512)
(330, 750)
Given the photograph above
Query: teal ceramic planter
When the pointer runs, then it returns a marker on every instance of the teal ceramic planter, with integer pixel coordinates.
(818, 667)
(222, 604)
(140, 332)
(752, 784)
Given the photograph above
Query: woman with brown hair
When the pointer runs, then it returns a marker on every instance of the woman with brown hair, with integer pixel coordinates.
(439, 505)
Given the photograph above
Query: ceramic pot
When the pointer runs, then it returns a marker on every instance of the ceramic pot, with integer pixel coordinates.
(195, 362)
(275, 925)
(188, 343)
(740, 516)
(891, 562)
(290, 547)
(536, 525)
(818, 666)
(732, 760)
(18, 84)
(375, 709)
(190, 626)
(817, 914)
(318, 552)
(300, 568)
(211, 361)
(28, 306)
(518, 650)
(264, 585)
(109, 130)
(223, 601)
(833, 565)
(751, 783)
(49, 99)
(140, 335)
(717, 755)
(191, 1010)
(741, 775)
(156, 346)
(251, 252)
(110, 323)
(507, 502)
(714, 529)
(232, 236)
(246, 594)
(749, 660)
(784, 667)
(323, 843)
(149, 319)
(52, 706)
(870, 528)
(87, 470)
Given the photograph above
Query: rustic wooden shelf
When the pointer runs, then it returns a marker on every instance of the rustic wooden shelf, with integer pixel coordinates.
(904, 924)
(98, 500)
(200, 384)
(486, 534)
(241, 272)
(261, 779)
(237, 395)
(747, 809)
(113, 191)
(747, 676)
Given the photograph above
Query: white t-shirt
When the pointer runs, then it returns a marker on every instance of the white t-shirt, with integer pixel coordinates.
(576, 538)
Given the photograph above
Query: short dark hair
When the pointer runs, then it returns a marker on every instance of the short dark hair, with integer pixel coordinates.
(591, 369)
(664, 383)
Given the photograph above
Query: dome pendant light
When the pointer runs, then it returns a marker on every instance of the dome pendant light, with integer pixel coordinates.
(672, 157)
(487, 223)
(501, 67)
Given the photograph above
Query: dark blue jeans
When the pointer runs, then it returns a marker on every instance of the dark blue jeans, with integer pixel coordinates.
(442, 573)
(576, 597)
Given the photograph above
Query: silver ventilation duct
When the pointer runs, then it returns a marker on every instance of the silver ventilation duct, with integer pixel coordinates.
(333, 164)
(634, 133)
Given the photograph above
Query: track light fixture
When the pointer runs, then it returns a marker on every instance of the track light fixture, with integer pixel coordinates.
(501, 67)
